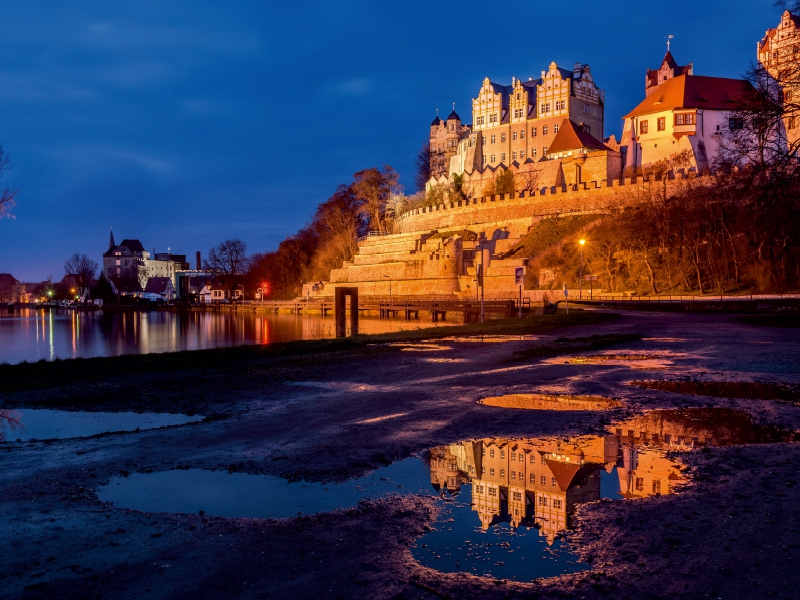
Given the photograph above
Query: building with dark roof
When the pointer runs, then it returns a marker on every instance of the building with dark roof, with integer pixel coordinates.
(517, 123)
(11, 290)
(129, 260)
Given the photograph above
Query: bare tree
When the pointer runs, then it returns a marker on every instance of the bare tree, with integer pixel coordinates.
(373, 188)
(8, 419)
(228, 258)
(423, 164)
(7, 193)
(83, 269)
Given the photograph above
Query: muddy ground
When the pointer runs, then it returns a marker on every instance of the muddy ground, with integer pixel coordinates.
(734, 533)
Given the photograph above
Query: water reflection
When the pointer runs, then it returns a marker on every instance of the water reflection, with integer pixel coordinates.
(36, 334)
(551, 402)
(45, 424)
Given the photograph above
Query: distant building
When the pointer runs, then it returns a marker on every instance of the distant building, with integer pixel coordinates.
(130, 260)
(681, 118)
(11, 290)
(159, 288)
(224, 289)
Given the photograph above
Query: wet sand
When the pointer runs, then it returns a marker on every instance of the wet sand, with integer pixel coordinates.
(733, 533)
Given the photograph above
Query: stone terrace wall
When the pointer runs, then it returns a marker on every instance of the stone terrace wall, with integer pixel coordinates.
(518, 213)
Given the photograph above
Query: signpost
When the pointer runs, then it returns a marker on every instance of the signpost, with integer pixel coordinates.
(566, 296)
(591, 279)
(519, 275)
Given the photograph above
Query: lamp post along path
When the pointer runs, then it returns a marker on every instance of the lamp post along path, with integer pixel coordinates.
(580, 279)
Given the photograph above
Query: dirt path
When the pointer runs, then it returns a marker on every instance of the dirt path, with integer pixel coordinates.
(338, 416)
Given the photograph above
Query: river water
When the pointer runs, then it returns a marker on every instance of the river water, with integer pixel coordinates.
(36, 334)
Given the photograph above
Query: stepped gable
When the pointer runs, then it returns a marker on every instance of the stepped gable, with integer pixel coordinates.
(669, 68)
(571, 137)
(694, 91)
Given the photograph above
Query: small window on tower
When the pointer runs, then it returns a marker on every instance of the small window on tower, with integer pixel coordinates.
(555, 128)
(533, 131)
(503, 137)
(544, 129)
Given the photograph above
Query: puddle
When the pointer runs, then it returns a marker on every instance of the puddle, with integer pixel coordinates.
(644, 362)
(506, 503)
(421, 347)
(443, 360)
(747, 390)
(551, 402)
(241, 495)
(492, 338)
(42, 424)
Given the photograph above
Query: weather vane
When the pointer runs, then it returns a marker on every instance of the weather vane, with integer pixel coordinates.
(669, 38)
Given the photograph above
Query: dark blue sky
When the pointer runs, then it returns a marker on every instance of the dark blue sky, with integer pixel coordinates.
(185, 123)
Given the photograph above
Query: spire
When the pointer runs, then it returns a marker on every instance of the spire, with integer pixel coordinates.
(111, 243)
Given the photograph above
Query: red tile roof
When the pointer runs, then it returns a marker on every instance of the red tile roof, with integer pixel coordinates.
(571, 137)
(694, 91)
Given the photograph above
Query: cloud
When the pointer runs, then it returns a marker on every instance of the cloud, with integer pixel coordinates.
(353, 87)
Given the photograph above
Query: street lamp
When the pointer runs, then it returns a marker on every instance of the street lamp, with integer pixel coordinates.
(580, 283)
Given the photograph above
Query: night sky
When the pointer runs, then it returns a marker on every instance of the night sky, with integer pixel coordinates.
(186, 123)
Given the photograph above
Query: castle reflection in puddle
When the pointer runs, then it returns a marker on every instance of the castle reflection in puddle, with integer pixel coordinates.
(540, 482)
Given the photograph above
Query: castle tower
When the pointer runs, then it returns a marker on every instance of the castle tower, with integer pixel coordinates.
(669, 68)
(778, 52)
(111, 243)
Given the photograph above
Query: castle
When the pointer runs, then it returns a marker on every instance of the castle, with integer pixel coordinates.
(547, 134)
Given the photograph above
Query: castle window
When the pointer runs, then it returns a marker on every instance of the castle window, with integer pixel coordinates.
(586, 128)
(533, 131)
(544, 151)
(542, 501)
(493, 159)
(661, 124)
(522, 154)
(502, 473)
(513, 157)
(555, 128)
(491, 472)
(737, 123)
(484, 159)
(643, 127)
(656, 487)
(544, 129)
(513, 475)
(503, 157)
(503, 138)
(587, 109)
(560, 104)
(494, 138)
(557, 504)
(514, 135)
(553, 481)
(491, 452)
(533, 478)
(522, 134)
(544, 480)
(792, 123)
(533, 152)
(502, 452)
(639, 484)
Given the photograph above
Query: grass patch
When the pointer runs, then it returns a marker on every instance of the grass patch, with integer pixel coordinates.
(746, 390)
(40, 375)
(580, 344)
(785, 320)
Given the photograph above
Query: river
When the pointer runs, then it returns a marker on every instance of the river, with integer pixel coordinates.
(31, 334)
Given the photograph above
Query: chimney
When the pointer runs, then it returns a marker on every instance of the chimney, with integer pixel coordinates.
(198, 260)
(576, 68)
